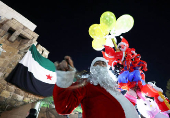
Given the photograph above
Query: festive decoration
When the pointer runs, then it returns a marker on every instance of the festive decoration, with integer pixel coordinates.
(110, 41)
(108, 19)
(95, 31)
(109, 28)
(124, 23)
(98, 43)
(152, 90)
(166, 101)
(132, 77)
(127, 64)
(149, 109)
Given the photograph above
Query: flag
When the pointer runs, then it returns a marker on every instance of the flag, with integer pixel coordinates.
(34, 73)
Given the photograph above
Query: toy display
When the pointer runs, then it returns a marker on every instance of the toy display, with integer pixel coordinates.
(127, 64)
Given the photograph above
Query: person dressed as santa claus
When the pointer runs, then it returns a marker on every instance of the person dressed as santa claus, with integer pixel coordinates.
(98, 96)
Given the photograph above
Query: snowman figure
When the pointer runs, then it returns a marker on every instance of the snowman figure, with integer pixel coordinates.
(149, 109)
(1, 49)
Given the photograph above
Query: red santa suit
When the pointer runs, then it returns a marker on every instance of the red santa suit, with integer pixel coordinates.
(96, 102)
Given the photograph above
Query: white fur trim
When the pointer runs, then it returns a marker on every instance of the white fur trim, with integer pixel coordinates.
(129, 109)
(65, 78)
(150, 83)
(158, 89)
(155, 87)
(121, 44)
(160, 99)
(98, 59)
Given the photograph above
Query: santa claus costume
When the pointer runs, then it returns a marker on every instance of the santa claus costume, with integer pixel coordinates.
(97, 98)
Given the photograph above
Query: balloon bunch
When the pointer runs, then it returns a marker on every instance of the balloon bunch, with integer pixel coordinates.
(109, 24)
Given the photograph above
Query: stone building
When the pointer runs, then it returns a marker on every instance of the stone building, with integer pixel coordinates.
(16, 36)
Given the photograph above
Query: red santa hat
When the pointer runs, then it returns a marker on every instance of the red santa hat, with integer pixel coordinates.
(98, 59)
(124, 42)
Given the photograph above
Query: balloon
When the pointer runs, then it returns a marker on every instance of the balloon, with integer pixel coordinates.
(104, 29)
(108, 19)
(109, 41)
(95, 31)
(115, 32)
(98, 43)
(124, 23)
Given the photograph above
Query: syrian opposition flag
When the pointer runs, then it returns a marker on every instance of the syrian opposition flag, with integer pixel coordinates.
(34, 73)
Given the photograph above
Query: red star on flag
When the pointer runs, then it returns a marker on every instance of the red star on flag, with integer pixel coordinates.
(49, 77)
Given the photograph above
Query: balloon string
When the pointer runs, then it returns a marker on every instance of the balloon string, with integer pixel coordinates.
(115, 45)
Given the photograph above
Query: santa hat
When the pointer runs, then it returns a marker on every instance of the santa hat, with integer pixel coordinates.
(124, 42)
(98, 59)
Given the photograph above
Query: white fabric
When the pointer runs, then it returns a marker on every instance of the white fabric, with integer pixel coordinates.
(65, 78)
(160, 99)
(34, 67)
(129, 109)
(155, 87)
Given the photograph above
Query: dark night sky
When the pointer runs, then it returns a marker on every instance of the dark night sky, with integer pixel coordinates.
(63, 28)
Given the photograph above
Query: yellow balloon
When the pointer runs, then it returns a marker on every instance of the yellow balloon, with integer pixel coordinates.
(98, 43)
(108, 19)
(104, 29)
(95, 31)
(124, 23)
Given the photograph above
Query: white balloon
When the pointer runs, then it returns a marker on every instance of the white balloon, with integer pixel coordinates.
(115, 32)
(109, 41)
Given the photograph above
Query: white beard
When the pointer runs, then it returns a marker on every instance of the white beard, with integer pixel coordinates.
(99, 75)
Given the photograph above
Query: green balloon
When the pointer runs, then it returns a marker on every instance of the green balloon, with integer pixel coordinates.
(124, 23)
(108, 19)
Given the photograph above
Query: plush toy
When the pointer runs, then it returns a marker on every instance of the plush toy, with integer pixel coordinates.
(152, 90)
(149, 109)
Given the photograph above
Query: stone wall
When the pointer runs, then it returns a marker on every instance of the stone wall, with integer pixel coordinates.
(42, 51)
(6, 11)
(16, 40)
